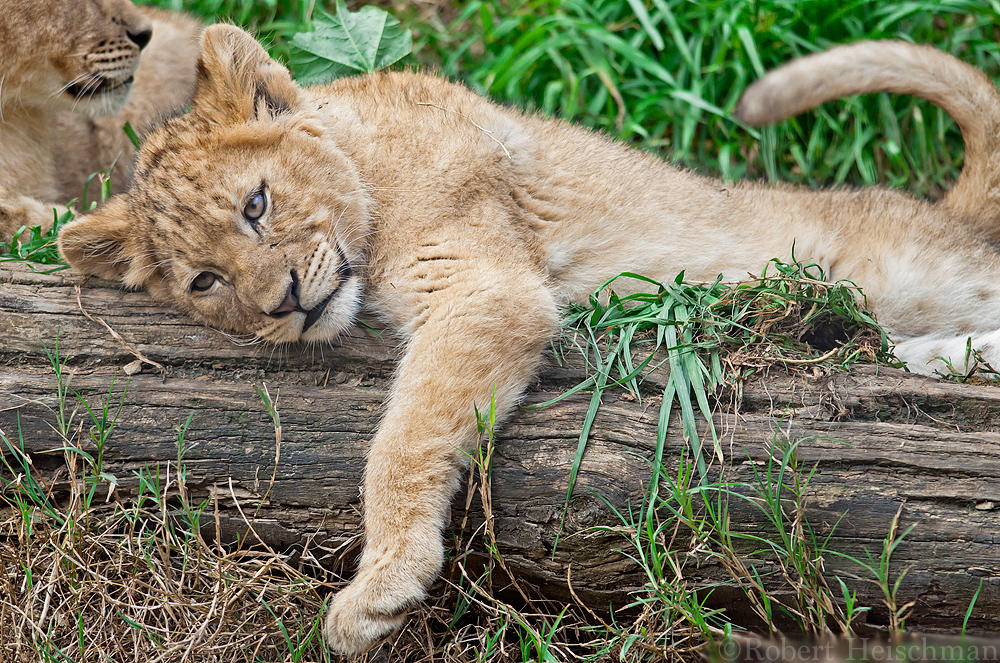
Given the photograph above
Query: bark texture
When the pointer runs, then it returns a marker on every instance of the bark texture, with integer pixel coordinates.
(879, 439)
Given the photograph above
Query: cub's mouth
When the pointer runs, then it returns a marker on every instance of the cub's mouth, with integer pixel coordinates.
(314, 315)
(96, 85)
(316, 312)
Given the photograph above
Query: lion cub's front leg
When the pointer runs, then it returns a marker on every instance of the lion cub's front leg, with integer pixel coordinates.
(469, 345)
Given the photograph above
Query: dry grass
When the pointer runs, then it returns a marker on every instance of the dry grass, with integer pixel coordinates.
(88, 578)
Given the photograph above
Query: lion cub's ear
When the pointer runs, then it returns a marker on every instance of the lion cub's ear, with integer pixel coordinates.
(238, 81)
(104, 243)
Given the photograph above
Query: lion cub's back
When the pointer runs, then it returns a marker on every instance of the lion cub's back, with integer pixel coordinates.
(453, 137)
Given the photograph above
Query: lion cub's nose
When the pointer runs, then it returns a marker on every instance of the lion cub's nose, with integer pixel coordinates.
(291, 301)
(140, 37)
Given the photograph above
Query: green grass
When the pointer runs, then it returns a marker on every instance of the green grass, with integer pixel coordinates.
(705, 336)
(797, 588)
(274, 20)
(711, 335)
(665, 74)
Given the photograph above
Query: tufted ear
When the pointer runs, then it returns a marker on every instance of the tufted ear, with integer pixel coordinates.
(104, 243)
(238, 81)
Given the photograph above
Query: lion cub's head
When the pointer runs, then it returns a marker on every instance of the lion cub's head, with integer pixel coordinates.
(71, 54)
(243, 212)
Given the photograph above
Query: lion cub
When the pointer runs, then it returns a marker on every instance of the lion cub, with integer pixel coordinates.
(277, 211)
(66, 70)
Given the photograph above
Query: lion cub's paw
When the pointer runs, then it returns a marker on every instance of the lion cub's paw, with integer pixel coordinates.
(351, 625)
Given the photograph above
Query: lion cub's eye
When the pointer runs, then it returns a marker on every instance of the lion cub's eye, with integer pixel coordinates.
(255, 207)
(203, 282)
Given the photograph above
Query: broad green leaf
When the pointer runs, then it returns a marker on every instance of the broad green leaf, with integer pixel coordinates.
(348, 43)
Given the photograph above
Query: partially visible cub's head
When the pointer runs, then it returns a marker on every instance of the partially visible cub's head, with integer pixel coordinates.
(243, 212)
(70, 54)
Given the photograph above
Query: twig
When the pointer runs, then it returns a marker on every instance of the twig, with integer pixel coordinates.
(815, 360)
(118, 337)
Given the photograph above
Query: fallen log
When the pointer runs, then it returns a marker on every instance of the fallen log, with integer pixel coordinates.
(879, 438)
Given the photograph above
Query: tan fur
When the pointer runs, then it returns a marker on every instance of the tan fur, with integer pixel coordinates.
(964, 92)
(67, 68)
(466, 226)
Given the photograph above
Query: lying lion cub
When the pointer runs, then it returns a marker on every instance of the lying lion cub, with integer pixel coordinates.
(277, 211)
(64, 66)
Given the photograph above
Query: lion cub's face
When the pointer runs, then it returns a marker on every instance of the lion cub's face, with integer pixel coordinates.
(243, 212)
(71, 54)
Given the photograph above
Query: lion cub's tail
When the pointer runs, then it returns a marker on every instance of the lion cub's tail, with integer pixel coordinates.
(963, 91)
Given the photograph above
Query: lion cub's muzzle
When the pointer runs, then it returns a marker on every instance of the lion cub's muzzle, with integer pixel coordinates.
(290, 303)
(111, 65)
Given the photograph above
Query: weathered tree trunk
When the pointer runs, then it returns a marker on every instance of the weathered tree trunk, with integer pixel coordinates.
(880, 439)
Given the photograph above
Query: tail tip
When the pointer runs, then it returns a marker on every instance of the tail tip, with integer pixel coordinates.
(752, 108)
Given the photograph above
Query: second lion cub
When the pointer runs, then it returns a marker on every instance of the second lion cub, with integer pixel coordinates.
(278, 211)
(70, 77)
